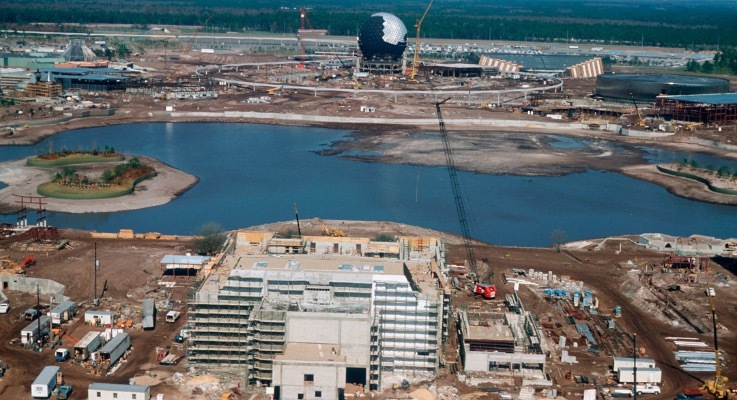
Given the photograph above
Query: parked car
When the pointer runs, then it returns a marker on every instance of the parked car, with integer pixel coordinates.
(64, 392)
(710, 292)
(647, 389)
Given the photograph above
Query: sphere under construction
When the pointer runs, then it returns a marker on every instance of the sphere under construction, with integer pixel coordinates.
(382, 36)
(647, 87)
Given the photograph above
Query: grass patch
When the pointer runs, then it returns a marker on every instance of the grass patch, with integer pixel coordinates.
(55, 190)
(79, 158)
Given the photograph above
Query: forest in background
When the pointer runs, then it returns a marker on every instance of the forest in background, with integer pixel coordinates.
(688, 24)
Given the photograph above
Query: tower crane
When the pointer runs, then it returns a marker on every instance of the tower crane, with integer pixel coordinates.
(718, 386)
(416, 60)
(483, 288)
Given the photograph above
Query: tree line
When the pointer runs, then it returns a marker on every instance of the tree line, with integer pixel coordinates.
(616, 22)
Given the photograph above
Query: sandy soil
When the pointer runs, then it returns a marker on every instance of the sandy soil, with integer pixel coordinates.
(130, 272)
(23, 180)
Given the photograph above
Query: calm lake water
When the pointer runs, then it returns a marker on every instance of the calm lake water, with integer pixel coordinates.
(251, 174)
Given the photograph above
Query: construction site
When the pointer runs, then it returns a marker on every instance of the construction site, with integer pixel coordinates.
(367, 309)
(395, 317)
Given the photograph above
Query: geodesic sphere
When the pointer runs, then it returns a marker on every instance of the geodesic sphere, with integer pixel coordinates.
(382, 36)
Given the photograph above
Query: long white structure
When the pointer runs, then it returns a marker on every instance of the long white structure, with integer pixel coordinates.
(387, 316)
(111, 391)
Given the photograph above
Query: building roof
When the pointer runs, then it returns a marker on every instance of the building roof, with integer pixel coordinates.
(118, 387)
(311, 352)
(112, 344)
(541, 62)
(630, 359)
(63, 306)
(95, 312)
(33, 326)
(320, 263)
(712, 99)
(93, 77)
(496, 332)
(177, 259)
(46, 375)
(87, 339)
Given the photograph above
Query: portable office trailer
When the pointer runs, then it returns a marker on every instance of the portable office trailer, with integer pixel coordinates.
(98, 318)
(115, 348)
(31, 333)
(63, 312)
(87, 345)
(148, 314)
(45, 383)
(644, 375)
(109, 391)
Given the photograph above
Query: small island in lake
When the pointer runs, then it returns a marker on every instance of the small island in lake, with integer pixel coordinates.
(91, 181)
(113, 180)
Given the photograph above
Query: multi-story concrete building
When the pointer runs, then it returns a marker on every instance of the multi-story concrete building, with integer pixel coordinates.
(322, 305)
(506, 343)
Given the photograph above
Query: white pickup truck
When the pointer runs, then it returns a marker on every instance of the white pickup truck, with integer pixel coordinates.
(647, 389)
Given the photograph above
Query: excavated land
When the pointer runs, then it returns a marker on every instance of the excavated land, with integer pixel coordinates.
(517, 143)
(129, 271)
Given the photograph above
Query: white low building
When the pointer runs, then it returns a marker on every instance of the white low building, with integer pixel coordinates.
(98, 318)
(110, 391)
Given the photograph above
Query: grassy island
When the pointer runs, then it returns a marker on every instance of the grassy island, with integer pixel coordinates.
(719, 180)
(118, 181)
(66, 157)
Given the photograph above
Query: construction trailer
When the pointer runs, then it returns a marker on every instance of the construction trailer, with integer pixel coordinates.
(644, 375)
(87, 345)
(98, 318)
(109, 391)
(45, 383)
(115, 348)
(148, 314)
(35, 330)
(63, 312)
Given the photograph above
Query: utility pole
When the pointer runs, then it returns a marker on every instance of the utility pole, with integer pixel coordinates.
(634, 364)
(95, 301)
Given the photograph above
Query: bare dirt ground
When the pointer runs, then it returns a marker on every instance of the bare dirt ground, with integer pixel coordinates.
(130, 271)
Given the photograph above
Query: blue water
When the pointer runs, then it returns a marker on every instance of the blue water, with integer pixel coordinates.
(251, 174)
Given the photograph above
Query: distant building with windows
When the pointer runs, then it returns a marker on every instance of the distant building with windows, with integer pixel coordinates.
(328, 315)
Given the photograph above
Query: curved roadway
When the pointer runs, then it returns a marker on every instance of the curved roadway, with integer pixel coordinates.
(355, 92)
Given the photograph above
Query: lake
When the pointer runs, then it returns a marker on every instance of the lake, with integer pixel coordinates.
(251, 174)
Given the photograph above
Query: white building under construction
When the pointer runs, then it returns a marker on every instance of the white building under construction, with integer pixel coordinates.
(317, 316)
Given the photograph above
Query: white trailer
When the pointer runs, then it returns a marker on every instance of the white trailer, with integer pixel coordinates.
(98, 318)
(115, 348)
(644, 375)
(109, 391)
(87, 345)
(45, 383)
(35, 330)
(63, 312)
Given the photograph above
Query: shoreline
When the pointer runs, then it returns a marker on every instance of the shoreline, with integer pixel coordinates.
(22, 180)
(678, 186)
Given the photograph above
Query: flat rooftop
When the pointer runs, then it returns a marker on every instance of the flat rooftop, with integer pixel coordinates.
(318, 263)
(311, 352)
(494, 332)
(711, 99)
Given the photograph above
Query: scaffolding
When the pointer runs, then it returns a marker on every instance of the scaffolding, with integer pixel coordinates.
(711, 109)
(406, 332)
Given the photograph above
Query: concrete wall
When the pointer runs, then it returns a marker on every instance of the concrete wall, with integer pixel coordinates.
(350, 331)
(290, 377)
(28, 285)
(479, 360)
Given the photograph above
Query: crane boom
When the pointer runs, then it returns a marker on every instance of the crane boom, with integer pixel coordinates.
(717, 387)
(460, 209)
(416, 59)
